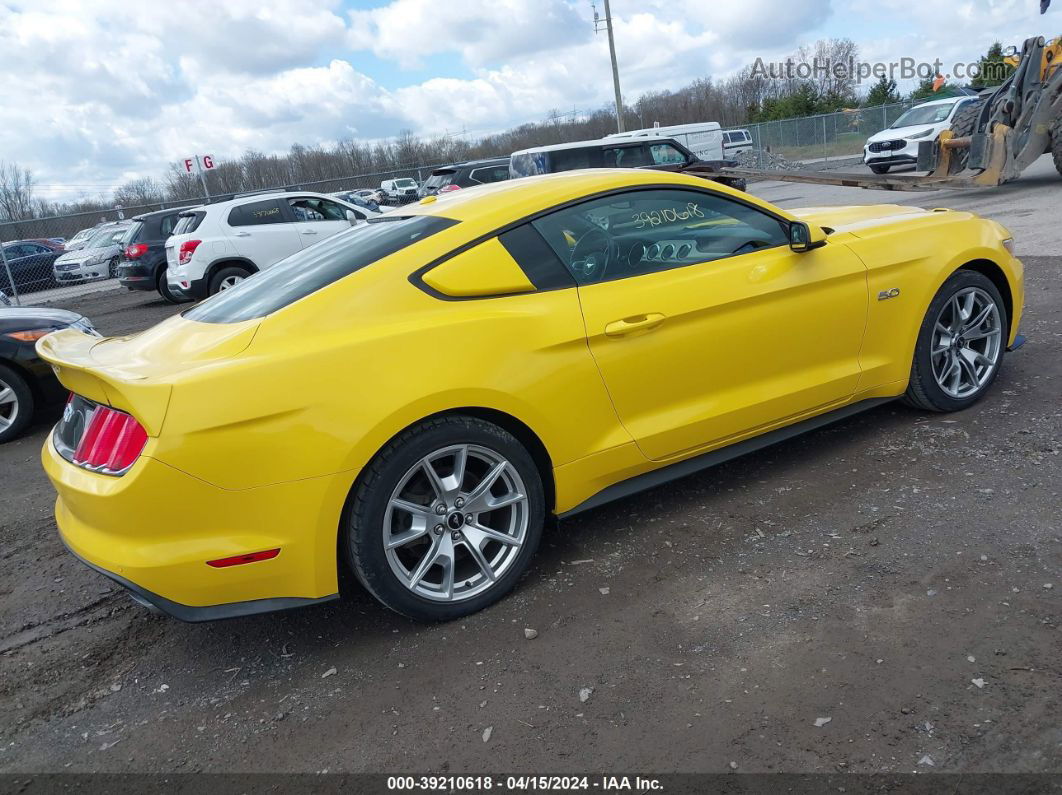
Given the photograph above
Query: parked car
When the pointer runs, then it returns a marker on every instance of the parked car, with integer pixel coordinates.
(79, 240)
(612, 330)
(96, 259)
(736, 142)
(704, 139)
(662, 154)
(897, 144)
(142, 264)
(26, 382)
(399, 191)
(362, 198)
(4, 300)
(465, 175)
(30, 263)
(216, 246)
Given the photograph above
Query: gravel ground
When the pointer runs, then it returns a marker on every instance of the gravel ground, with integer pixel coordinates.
(881, 595)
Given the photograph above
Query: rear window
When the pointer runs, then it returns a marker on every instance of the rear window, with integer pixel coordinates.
(134, 232)
(188, 222)
(307, 271)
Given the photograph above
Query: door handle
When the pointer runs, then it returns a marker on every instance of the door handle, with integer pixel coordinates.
(629, 325)
(241, 234)
(308, 231)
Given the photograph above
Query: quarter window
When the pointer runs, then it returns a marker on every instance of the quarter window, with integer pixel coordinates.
(639, 232)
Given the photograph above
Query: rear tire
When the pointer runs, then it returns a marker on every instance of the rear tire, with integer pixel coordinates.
(407, 537)
(880, 169)
(1056, 144)
(16, 404)
(964, 124)
(164, 290)
(227, 277)
(957, 358)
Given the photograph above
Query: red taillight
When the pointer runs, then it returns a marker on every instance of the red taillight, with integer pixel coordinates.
(112, 441)
(448, 188)
(184, 254)
(238, 560)
(135, 250)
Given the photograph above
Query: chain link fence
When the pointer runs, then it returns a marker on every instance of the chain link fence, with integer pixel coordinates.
(33, 267)
(48, 259)
(811, 140)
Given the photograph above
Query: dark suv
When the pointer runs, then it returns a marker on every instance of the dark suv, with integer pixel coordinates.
(465, 175)
(143, 262)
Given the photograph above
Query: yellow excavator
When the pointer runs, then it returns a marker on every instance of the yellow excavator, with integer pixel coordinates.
(990, 142)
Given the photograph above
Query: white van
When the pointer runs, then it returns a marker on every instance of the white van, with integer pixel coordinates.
(399, 191)
(704, 139)
(735, 142)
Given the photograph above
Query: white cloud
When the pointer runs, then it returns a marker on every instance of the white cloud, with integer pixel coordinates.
(96, 93)
(482, 31)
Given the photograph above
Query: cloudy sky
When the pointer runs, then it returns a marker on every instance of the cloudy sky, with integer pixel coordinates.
(95, 93)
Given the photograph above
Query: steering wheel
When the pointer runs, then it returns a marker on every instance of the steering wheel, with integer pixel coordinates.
(591, 256)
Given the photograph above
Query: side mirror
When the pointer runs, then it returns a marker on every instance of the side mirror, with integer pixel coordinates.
(1010, 52)
(804, 237)
(351, 217)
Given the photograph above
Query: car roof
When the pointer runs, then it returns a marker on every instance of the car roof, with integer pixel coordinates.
(600, 142)
(512, 200)
(168, 211)
(940, 101)
(489, 161)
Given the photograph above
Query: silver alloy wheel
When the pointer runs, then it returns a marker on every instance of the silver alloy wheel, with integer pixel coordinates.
(455, 522)
(967, 343)
(8, 406)
(229, 281)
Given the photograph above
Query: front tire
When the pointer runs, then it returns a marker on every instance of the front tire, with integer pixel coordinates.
(445, 519)
(1056, 144)
(16, 404)
(960, 345)
(962, 126)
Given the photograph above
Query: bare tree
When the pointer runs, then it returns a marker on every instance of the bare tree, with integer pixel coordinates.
(16, 192)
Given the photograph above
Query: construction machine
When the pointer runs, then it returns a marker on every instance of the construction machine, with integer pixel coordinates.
(990, 142)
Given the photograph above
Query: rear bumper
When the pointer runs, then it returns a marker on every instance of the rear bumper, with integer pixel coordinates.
(194, 615)
(136, 277)
(119, 527)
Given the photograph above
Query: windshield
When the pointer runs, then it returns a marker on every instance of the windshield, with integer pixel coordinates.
(924, 114)
(107, 237)
(405, 183)
(307, 271)
(439, 178)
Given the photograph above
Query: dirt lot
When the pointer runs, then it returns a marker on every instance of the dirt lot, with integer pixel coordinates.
(895, 578)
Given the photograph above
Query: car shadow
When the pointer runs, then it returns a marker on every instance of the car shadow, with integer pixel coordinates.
(360, 625)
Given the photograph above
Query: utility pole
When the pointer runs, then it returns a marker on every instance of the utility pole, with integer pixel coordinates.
(612, 54)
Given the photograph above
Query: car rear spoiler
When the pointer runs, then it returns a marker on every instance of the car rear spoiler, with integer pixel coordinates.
(69, 353)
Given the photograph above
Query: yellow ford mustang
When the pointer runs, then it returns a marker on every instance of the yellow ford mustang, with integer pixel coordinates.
(414, 397)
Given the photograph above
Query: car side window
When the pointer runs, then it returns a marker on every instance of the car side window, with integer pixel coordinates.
(313, 209)
(490, 174)
(257, 214)
(666, 155)
(167, 224)
(639, 232)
